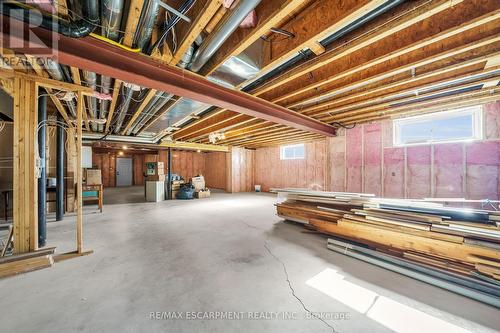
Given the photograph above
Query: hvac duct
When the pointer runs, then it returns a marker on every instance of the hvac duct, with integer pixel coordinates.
(222, 32)
(122, 111)
(142, 37)
(75, 29)
(90, 79)
(160, 99)
(111, 18)
(55, 71)
(159, 105)
(146, 23)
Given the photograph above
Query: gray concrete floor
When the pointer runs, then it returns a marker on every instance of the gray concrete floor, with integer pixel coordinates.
(226, 254)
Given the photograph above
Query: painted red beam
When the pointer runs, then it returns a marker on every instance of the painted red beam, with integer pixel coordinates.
(106, 59)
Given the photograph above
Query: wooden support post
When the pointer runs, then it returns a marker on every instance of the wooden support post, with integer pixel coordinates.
(25, 180)
(79, 216)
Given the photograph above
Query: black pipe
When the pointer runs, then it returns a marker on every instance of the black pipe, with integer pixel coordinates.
(75, 29)
(169, 174)
(60, 171)
(42, 181)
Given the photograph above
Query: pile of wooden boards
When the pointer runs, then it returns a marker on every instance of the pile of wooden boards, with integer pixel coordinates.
(453, 240)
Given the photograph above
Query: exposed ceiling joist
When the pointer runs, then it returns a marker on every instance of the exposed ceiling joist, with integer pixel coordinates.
(105, 59)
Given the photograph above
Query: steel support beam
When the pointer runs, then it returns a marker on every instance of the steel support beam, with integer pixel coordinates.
(97, 56)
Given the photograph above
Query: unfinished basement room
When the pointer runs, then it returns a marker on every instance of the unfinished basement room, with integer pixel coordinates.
(250, 166)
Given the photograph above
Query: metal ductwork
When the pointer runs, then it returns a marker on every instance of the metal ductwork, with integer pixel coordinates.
(91, 81)
(55, 71)
(141, 39)
(160, 99)
(124, 106)
(152, 111)
(111, 18)
(75, 29)
(222, 32)
(146, 23)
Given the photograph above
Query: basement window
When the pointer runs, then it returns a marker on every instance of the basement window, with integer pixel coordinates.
(293, 152)
(449, 126)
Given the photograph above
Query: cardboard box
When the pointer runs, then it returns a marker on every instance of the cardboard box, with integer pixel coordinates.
(198, 183)
(156, 178)
(93, 177)
(202, 194)
(154, 168)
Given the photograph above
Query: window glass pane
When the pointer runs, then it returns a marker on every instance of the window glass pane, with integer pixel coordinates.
(454, 125)
(453, 128)
(299, 151)
(292, 152)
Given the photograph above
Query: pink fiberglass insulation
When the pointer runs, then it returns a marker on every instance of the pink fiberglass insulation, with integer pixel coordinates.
(354, 179)
(373, 179)
(354, 159)
(336, 149)
(419, 171)
(373, 144)
(373, 158)
(483, 153)
(394, 172)
(483, 182)
(45, 5)
(448, 170)
(492, 120)
(483, 167)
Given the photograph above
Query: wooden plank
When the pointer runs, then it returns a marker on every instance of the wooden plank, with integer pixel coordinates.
(410, 48)
(79, 183)
(24, 178)
(416, 13)
(133, 17)
(313, 24)
(112, 107)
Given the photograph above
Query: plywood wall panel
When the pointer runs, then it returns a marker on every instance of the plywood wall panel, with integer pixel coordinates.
(271, 171)
(215, 170)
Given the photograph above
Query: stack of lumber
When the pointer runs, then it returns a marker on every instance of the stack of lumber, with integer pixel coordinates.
(453, 240)
(26, 262)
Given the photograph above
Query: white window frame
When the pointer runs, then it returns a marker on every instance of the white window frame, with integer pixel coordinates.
(282, 152)
(475, 111)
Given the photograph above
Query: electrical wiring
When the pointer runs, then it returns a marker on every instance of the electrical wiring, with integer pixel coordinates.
(112, 42)
(338, 124)
(184, 8)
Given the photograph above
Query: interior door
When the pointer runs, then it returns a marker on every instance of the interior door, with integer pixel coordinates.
(124, 171)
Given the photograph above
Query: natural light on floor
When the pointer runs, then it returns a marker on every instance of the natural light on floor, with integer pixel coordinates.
(387, 312)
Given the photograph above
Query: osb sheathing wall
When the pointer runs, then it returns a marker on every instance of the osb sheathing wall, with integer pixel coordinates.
(184, 163)
(463, 169)
(271, 171)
